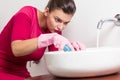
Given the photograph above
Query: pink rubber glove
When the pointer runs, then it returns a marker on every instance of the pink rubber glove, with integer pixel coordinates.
(59, 41)
(45, 40)
(78, 46)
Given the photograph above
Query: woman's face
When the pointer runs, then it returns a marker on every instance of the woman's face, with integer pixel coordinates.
(57, 20)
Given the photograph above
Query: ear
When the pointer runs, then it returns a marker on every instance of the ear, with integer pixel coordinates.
(46, 12)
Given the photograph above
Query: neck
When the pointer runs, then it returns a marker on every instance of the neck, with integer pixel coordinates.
(41, 20)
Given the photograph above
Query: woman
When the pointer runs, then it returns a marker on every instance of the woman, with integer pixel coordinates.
(29, 32)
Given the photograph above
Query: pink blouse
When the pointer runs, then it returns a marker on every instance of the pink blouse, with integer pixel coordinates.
(23, 25)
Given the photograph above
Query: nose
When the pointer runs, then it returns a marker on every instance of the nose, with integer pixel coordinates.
(60, 27)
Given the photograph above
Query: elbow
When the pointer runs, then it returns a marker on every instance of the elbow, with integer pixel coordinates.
(16, 52)
(16, 49)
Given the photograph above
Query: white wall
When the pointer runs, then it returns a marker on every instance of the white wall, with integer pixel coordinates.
(83, 27)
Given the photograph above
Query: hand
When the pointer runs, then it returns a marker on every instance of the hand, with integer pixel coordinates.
(45, 40)
(59, 41)
(78, 46)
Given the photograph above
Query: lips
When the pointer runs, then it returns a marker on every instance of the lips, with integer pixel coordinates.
(58, 31)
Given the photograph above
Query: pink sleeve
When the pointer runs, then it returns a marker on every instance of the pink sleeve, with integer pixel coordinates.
(21, 27)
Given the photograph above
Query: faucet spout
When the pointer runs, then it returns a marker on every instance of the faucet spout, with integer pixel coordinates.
(101, 22)
(115, 21)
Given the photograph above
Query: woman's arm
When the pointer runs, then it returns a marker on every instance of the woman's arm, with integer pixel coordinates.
(24, 47)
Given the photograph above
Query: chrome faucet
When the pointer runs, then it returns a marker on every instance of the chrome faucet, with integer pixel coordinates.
(115, 21)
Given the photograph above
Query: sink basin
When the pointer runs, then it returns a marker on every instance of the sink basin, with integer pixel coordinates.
(86, 63)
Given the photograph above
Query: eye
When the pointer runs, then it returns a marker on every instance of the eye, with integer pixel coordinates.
(58, 20)
(66, 23)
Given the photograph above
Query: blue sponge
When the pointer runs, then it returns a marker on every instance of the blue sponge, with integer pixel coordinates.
(66, 48)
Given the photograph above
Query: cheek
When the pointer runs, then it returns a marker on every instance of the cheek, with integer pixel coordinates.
(51, 24)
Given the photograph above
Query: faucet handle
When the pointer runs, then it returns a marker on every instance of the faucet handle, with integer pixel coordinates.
(117, 16)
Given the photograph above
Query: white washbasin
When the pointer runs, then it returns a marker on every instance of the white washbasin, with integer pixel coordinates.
(86, 63)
